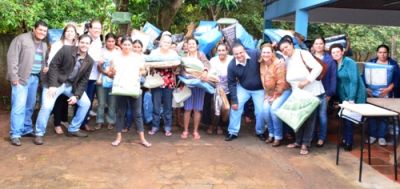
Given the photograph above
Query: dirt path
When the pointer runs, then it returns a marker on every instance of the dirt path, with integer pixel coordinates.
(211, 162)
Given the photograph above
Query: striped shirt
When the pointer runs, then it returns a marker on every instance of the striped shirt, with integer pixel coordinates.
(37, 65)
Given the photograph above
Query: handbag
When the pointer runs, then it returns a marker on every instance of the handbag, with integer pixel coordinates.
(321, 62)
(153, 81)
(181, 94)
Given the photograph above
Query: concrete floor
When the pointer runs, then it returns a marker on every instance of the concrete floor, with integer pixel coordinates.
(211, 162)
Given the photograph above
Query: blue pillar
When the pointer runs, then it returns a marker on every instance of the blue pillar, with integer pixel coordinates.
(267, 25)
(301, 22)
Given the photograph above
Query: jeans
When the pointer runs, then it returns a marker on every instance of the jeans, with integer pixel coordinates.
(23, 100)
(347, 131)
(104, 97)
(136, 108)
(243, 95)
(305, 133)
(273, 122)
(90, 91)
(323, 118)
(378, 127)
(48, 104)
(162, 97)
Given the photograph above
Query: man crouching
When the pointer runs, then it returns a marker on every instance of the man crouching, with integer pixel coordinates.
(68, 74)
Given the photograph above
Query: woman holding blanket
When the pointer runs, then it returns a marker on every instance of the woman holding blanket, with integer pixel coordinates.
(378, 127)
(350, 88)
(219, 65)
(273, 77)
(300, 77)
(129, 64)
(162, 96)
(104, 89)
(195, 102)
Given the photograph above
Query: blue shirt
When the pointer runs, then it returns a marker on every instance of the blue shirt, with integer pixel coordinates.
(248, 76)
(329, 81)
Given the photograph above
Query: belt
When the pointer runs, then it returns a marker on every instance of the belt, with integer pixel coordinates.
(37, 75)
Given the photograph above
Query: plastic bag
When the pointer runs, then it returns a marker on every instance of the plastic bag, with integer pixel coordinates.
(147, 107)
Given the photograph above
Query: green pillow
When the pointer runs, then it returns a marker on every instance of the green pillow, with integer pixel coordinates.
(297, 108)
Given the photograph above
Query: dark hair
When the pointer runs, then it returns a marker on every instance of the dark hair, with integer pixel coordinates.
(138, 42)
(320, 37)
(40, 23)
(194, 39)
(126, 38)
(111, 35)
(285, 40)
(85, 35)
(223, 44)
(336, 45)
(92, 22)
(287, 37)
(383, 46)
(65, 30)
(237, 44)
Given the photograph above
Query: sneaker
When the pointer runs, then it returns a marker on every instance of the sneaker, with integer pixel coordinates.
(38, 140)
(77, 134)
(371, 140)
(15, 141)
(382, 142)
(92, 113)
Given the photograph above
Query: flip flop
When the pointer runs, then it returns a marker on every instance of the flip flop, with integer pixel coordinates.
(58, 130)
(293, 145)
(146, 144)
(184, 135)
(196, 136)
(304, 150)
(168, 133)
(116, 143)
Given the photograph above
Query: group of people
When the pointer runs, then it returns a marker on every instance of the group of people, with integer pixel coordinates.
(77, 68)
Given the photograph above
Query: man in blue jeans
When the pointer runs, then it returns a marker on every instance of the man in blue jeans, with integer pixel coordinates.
(25, 60)
(244, 82)
(68, 74)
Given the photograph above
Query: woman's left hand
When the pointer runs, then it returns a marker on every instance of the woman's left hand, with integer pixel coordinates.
(204, 77)
(303, 83)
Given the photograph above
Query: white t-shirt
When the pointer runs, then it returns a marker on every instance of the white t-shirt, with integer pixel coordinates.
(95, 53)
(221, 69)
(55, 47)
(296, 72)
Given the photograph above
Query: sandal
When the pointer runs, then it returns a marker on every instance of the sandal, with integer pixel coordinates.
(293, 145)
(304, 150)
(220, 131)
(196, 136)
(153, 131)
(110, 126)
(88, 128)
(184, 135)
(168, 133)
(124, 130)
(146, 144)
(58, 130)
(210, 131)
(320, 143)
(116, 143)
(98, 126)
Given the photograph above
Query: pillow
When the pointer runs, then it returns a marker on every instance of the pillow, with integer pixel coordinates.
(297, 108)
